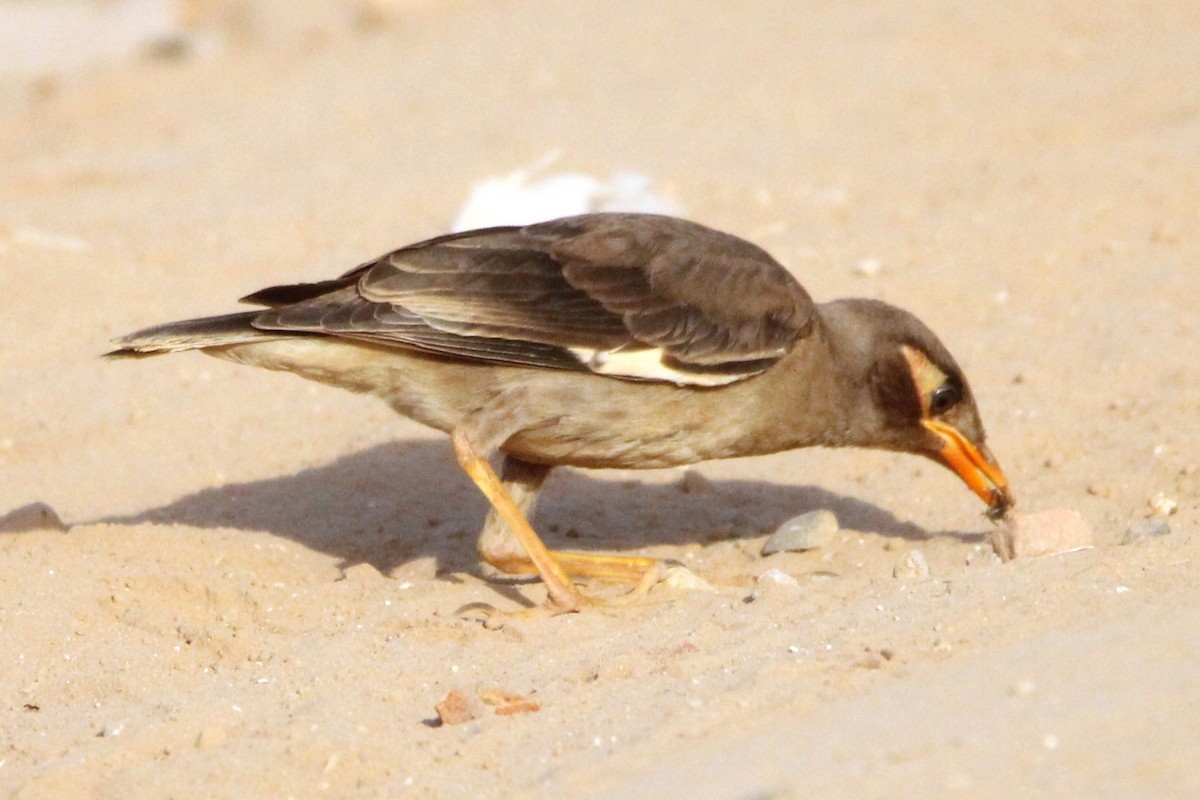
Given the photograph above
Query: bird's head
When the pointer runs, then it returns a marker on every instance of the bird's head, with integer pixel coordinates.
(908, 394)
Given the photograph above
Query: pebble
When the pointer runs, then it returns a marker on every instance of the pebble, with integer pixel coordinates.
(362, 573)
(1162, 505)
(112, 729)
(868, 267)
(506, 703)
(457, 707)
(693, 482)
(805, 532)
(211, 737)
(773, 583)
(1042, 533)
(912, 565)
(680, 577)
(32, 517)
(777, 577)
(1145, 529)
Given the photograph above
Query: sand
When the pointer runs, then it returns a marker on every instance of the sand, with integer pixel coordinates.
(254, 588)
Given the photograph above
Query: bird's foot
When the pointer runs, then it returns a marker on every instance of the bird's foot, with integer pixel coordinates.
(650, 572)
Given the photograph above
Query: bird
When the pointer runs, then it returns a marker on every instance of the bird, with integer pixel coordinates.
(606, 340)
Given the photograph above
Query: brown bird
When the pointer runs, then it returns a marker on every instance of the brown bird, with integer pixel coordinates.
(606, 340)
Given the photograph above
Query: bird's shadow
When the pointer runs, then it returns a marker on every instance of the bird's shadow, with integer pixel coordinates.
(396, 502)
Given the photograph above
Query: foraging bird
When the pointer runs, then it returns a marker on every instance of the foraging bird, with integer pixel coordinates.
(606, 340)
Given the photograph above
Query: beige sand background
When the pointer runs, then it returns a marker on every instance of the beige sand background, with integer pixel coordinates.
(256, 593)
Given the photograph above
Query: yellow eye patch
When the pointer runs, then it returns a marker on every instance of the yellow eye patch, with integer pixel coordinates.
(926, 377)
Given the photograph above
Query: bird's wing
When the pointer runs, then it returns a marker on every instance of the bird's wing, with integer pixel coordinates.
(629, 295)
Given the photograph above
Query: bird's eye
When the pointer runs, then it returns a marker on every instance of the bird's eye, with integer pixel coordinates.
(943, 399)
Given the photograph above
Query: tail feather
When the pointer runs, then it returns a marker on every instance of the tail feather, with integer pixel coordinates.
(192, 334)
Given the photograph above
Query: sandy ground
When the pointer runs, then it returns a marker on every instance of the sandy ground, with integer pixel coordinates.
(255, 595)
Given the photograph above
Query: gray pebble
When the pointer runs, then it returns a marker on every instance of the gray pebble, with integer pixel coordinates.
(912, 565)
(805, 532)
(1145, 529)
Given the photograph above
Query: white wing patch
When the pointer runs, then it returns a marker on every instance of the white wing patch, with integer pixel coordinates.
(647, 364)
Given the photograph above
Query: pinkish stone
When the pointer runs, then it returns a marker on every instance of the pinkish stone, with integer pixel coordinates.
(1042, 533)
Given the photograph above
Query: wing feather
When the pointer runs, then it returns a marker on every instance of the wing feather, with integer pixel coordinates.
(629, 295)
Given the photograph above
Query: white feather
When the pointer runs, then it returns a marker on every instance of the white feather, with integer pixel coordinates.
(647, 365)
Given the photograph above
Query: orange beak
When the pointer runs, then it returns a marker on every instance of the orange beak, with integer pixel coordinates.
(975, 466)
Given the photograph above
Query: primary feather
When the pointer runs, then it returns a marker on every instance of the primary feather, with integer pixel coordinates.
(632, 296)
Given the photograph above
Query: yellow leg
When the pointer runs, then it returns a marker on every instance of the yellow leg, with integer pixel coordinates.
(499, 547)
(563, 597)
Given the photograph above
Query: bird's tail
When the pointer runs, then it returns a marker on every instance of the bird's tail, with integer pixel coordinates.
(191, 334)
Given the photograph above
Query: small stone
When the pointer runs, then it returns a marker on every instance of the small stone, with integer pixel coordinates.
(868, 267)
(362, 573)
(1042, 533)
(1145, 529)
(805, 532)
(773, 583)
(413, 571)
(694, 482)
(912, 565)
(175, 47)
(777, 577)
(1162, 505)
(111, 729)
(456, 708)
(508, 703)
(1022, 688)
(979, 556)
(32, 517)
(211, 737)
(678, 576)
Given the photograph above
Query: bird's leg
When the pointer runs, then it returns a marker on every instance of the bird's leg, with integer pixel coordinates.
(563, 597)
(508, 541)
(499, 547)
